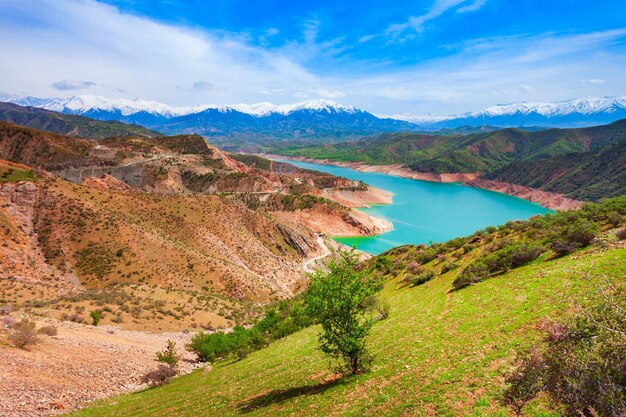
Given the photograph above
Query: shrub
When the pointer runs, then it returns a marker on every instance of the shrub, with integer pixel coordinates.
(383, 308)
(23, 334)
(414, 268)
(169, 356)
(561, 248)
(580, 363)
(614, 218)
(580, 233)
(8, 322)
(420, 279)
(473, 273)
(96, 316)
(159, 376)
(289, 318)
(449, 266)
(48, 330)
(621, 234)
(511, 256)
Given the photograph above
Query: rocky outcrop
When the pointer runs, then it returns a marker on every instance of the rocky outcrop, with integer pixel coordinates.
(357, 198)
(107, 182)
(339, 223)
(21, 257)
(302, 243)
(553, 201)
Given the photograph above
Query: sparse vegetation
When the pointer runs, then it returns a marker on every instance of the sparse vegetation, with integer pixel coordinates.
(169, 356)
(96, 316)
(580, 363)
(159, 376)
(49, 330)
(23, 334)
(279, 322)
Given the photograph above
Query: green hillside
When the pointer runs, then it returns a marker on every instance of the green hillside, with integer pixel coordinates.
(583, 176)
(69, 124)
(441, 351)
(478, 152)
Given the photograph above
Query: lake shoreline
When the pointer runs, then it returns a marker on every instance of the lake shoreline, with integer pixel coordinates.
(547, 199)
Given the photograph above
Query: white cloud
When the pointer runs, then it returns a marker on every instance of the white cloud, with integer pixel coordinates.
(130, 56)
(438, 8)
(471, 7)
(482, 72)
(53, 40)
(66, 85)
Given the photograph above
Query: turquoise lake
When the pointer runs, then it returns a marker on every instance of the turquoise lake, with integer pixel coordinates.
(424, 212)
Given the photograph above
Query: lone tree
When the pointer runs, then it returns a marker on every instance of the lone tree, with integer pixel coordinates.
(336, 300)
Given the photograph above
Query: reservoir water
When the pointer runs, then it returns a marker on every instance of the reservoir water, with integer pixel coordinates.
(424, 212)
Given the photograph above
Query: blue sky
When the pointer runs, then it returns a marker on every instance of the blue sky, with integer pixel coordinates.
(437, 56)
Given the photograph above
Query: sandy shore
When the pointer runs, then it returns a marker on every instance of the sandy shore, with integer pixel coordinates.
(358, 198)
(552, 201)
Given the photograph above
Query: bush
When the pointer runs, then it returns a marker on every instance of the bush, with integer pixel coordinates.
(511, 256)
(23, 334)
(621, 234)
(159, 376)
(580, 233)
(96, 316)
(473, 273)
(614, 218)
(561, 248)
(580, 363)
(289, 318)
(449, 266)
(48, 330)
(8, 322)
(414, 268)
(420, 279)
(383, 308)
(168, 355)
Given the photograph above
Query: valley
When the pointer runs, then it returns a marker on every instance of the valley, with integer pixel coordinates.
(165, 237)
(312, 209)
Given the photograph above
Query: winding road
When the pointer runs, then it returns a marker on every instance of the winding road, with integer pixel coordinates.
(325, 252)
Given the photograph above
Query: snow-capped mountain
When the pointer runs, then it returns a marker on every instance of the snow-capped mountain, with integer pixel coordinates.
(126, 107)
(313, 118)
(325, 118)
(570, 113)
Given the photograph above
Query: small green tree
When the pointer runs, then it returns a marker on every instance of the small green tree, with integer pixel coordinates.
(169, 356)
(96, 316)
(335, 299)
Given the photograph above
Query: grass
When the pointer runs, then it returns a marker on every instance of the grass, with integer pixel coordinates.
(12, 174)
(439, 353)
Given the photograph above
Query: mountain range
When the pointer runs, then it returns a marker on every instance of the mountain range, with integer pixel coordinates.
(323, 118)
(571, 113)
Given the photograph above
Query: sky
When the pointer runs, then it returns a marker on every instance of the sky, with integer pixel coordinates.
(420, 56)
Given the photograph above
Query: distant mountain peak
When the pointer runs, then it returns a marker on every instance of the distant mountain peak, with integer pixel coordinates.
(328, 116)
(84, 103)
(578, 112)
